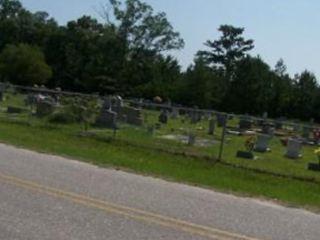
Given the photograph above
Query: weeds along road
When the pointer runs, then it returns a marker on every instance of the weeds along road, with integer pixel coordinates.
(48, 197)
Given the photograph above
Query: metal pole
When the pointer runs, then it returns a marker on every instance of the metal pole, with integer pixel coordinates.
(223, 137)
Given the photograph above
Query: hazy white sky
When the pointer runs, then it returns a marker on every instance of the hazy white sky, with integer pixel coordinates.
(287, 29)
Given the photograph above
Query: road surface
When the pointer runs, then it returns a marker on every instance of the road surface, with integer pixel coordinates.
(45, 197)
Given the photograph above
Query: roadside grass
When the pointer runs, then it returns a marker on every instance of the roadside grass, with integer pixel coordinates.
(63, 140)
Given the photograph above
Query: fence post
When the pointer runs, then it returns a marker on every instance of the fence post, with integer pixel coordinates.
(223, 137)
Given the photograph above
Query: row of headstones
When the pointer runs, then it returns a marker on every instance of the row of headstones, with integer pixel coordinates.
(114, 110)
(294, 146)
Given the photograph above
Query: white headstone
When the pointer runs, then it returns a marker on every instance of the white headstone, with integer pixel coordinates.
(262, 144)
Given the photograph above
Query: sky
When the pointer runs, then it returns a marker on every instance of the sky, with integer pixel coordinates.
(287, 29)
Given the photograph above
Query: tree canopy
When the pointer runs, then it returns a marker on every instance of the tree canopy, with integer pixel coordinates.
(130, 53)
(23, 65)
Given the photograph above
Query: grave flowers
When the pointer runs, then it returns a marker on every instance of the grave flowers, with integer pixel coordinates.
(249, 145)
(315, 166)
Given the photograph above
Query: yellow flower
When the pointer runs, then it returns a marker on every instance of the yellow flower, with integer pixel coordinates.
(317, 151)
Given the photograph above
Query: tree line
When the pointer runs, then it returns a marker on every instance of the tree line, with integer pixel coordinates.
(129, 54)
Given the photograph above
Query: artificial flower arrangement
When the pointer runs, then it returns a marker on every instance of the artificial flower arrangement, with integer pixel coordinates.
(250, 143)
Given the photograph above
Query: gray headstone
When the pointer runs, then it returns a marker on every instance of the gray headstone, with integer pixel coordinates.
(245, 123)
(117, 104)
(296, 127)
(306, 132)
(1, 94)
(163, 117)
(45, 108)
(212, 126)
(132, 116)
(107, 104)
(191, 139)
(268, 129)
(107, 119)
(265, 115)
(175, 113)
(262, 144)
(151, 130)
(294, 149)
(221, 119)
(195, 117)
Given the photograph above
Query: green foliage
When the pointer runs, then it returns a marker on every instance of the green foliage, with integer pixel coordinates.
(24, 65)
(228, 50)
(129, 55)
(142, 28)
(62, 117)
(84, 110)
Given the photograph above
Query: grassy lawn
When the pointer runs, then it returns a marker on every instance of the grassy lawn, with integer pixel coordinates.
(141, 155)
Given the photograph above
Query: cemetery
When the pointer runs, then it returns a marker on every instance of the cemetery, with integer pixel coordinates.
(280, 147)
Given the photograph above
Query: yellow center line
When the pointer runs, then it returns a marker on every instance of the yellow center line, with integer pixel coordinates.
(132, 213)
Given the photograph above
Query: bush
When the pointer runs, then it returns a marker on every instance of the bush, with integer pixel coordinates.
(24, 65)
(62, 118)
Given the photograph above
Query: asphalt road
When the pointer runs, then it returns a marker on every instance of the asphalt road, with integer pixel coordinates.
(45, 197)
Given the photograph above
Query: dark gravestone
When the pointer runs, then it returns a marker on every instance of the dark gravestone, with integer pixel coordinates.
(306, 132)
(314, 167)
(45, 108)
(163, 117)
(278, 123)
(14, 110)
(195, 117)
(246, 155)
(191, 139)
(268, 129)
(132, 116)
(221, 119)
(151, 130)
(175, 113)
(245, 124)
(107, 119)
(212, 125)
(117, 104)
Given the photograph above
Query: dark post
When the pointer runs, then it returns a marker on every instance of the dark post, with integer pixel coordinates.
(223, 137)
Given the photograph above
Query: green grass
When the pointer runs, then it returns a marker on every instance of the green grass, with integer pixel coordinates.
(149, 154)
(63, 141)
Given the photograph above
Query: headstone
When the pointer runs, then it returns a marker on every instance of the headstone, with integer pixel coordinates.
(245, 123)
(268, 129)
(132, 116)
(175, 113)
(107, 119)
(279, 123)
(294, 149)
(191, 139)
(107, 104)
(246, 155)
(212, 126)
(262, 144)
(151, 130)
(221, 119)
(117, 104)
(14, 110)
(44, 108)
(195, 117)
(1, 92)
(163, 117)
(265, 115)
(296, 127)
(306, 132)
